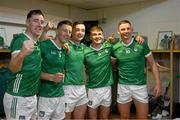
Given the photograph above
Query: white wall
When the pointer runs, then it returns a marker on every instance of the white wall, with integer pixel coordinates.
(148, 18)
(10, 30)
(16, 13)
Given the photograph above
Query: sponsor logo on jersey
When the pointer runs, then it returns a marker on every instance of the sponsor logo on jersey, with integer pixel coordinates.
(90, 102)
(135, 49)
(106, 51)
(53, 52)
(60, 53)
(41, 113)
(22, 117)
(128, 51)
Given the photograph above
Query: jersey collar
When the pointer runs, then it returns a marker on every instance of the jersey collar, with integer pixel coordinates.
(96, 49)
(74, 43)
(132, 39)
(55, 45)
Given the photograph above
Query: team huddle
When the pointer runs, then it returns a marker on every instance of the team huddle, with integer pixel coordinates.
(49, 80)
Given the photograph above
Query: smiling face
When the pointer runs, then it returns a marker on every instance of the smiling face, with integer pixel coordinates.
(125, 30)
(78, 32)
(64, 32)
(96, 35)
(35, 25)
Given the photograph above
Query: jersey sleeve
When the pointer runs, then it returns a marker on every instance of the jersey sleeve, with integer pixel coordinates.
(16, 43)
(114, 49)
(146, 49)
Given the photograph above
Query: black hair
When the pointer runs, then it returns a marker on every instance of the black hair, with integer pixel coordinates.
(64, 22)
(34, 12)
(77, 23)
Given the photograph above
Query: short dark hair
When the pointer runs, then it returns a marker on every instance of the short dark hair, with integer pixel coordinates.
(77, 23)
(64, 22)
(34, 12)
(124, 21)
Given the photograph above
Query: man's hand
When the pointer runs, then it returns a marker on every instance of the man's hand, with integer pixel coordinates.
(111, 38)
(139, 39)
(58, 77)
(49, 26)
(158, 90)
(27, 48)
(66, 47)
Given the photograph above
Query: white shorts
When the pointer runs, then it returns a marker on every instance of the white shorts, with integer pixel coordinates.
(75, 95)
(20, 108)
(126, 93)
(99, 96)
(51, 108)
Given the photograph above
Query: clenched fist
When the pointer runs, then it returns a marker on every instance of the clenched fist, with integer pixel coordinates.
(28, 47)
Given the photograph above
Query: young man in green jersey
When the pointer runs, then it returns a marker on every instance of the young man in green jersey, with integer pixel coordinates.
(100, 78)
(51, 103)
(131, 58)
(74, 84)
(20, 101)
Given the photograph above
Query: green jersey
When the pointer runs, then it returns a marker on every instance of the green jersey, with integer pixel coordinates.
(26, 81)
(74, 65)
(131, 62)
(53, 60)
(98, 64)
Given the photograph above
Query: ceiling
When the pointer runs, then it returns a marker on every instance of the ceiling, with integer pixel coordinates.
(94, 4)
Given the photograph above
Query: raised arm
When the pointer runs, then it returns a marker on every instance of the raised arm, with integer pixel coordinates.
(17, 57)
(111, 38)
(49, 26)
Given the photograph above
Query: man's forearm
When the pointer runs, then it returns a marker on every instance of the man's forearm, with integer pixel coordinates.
(16, 62)
(156, 73)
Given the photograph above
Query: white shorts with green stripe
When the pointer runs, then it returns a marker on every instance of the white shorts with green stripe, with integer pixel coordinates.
(20, 108)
